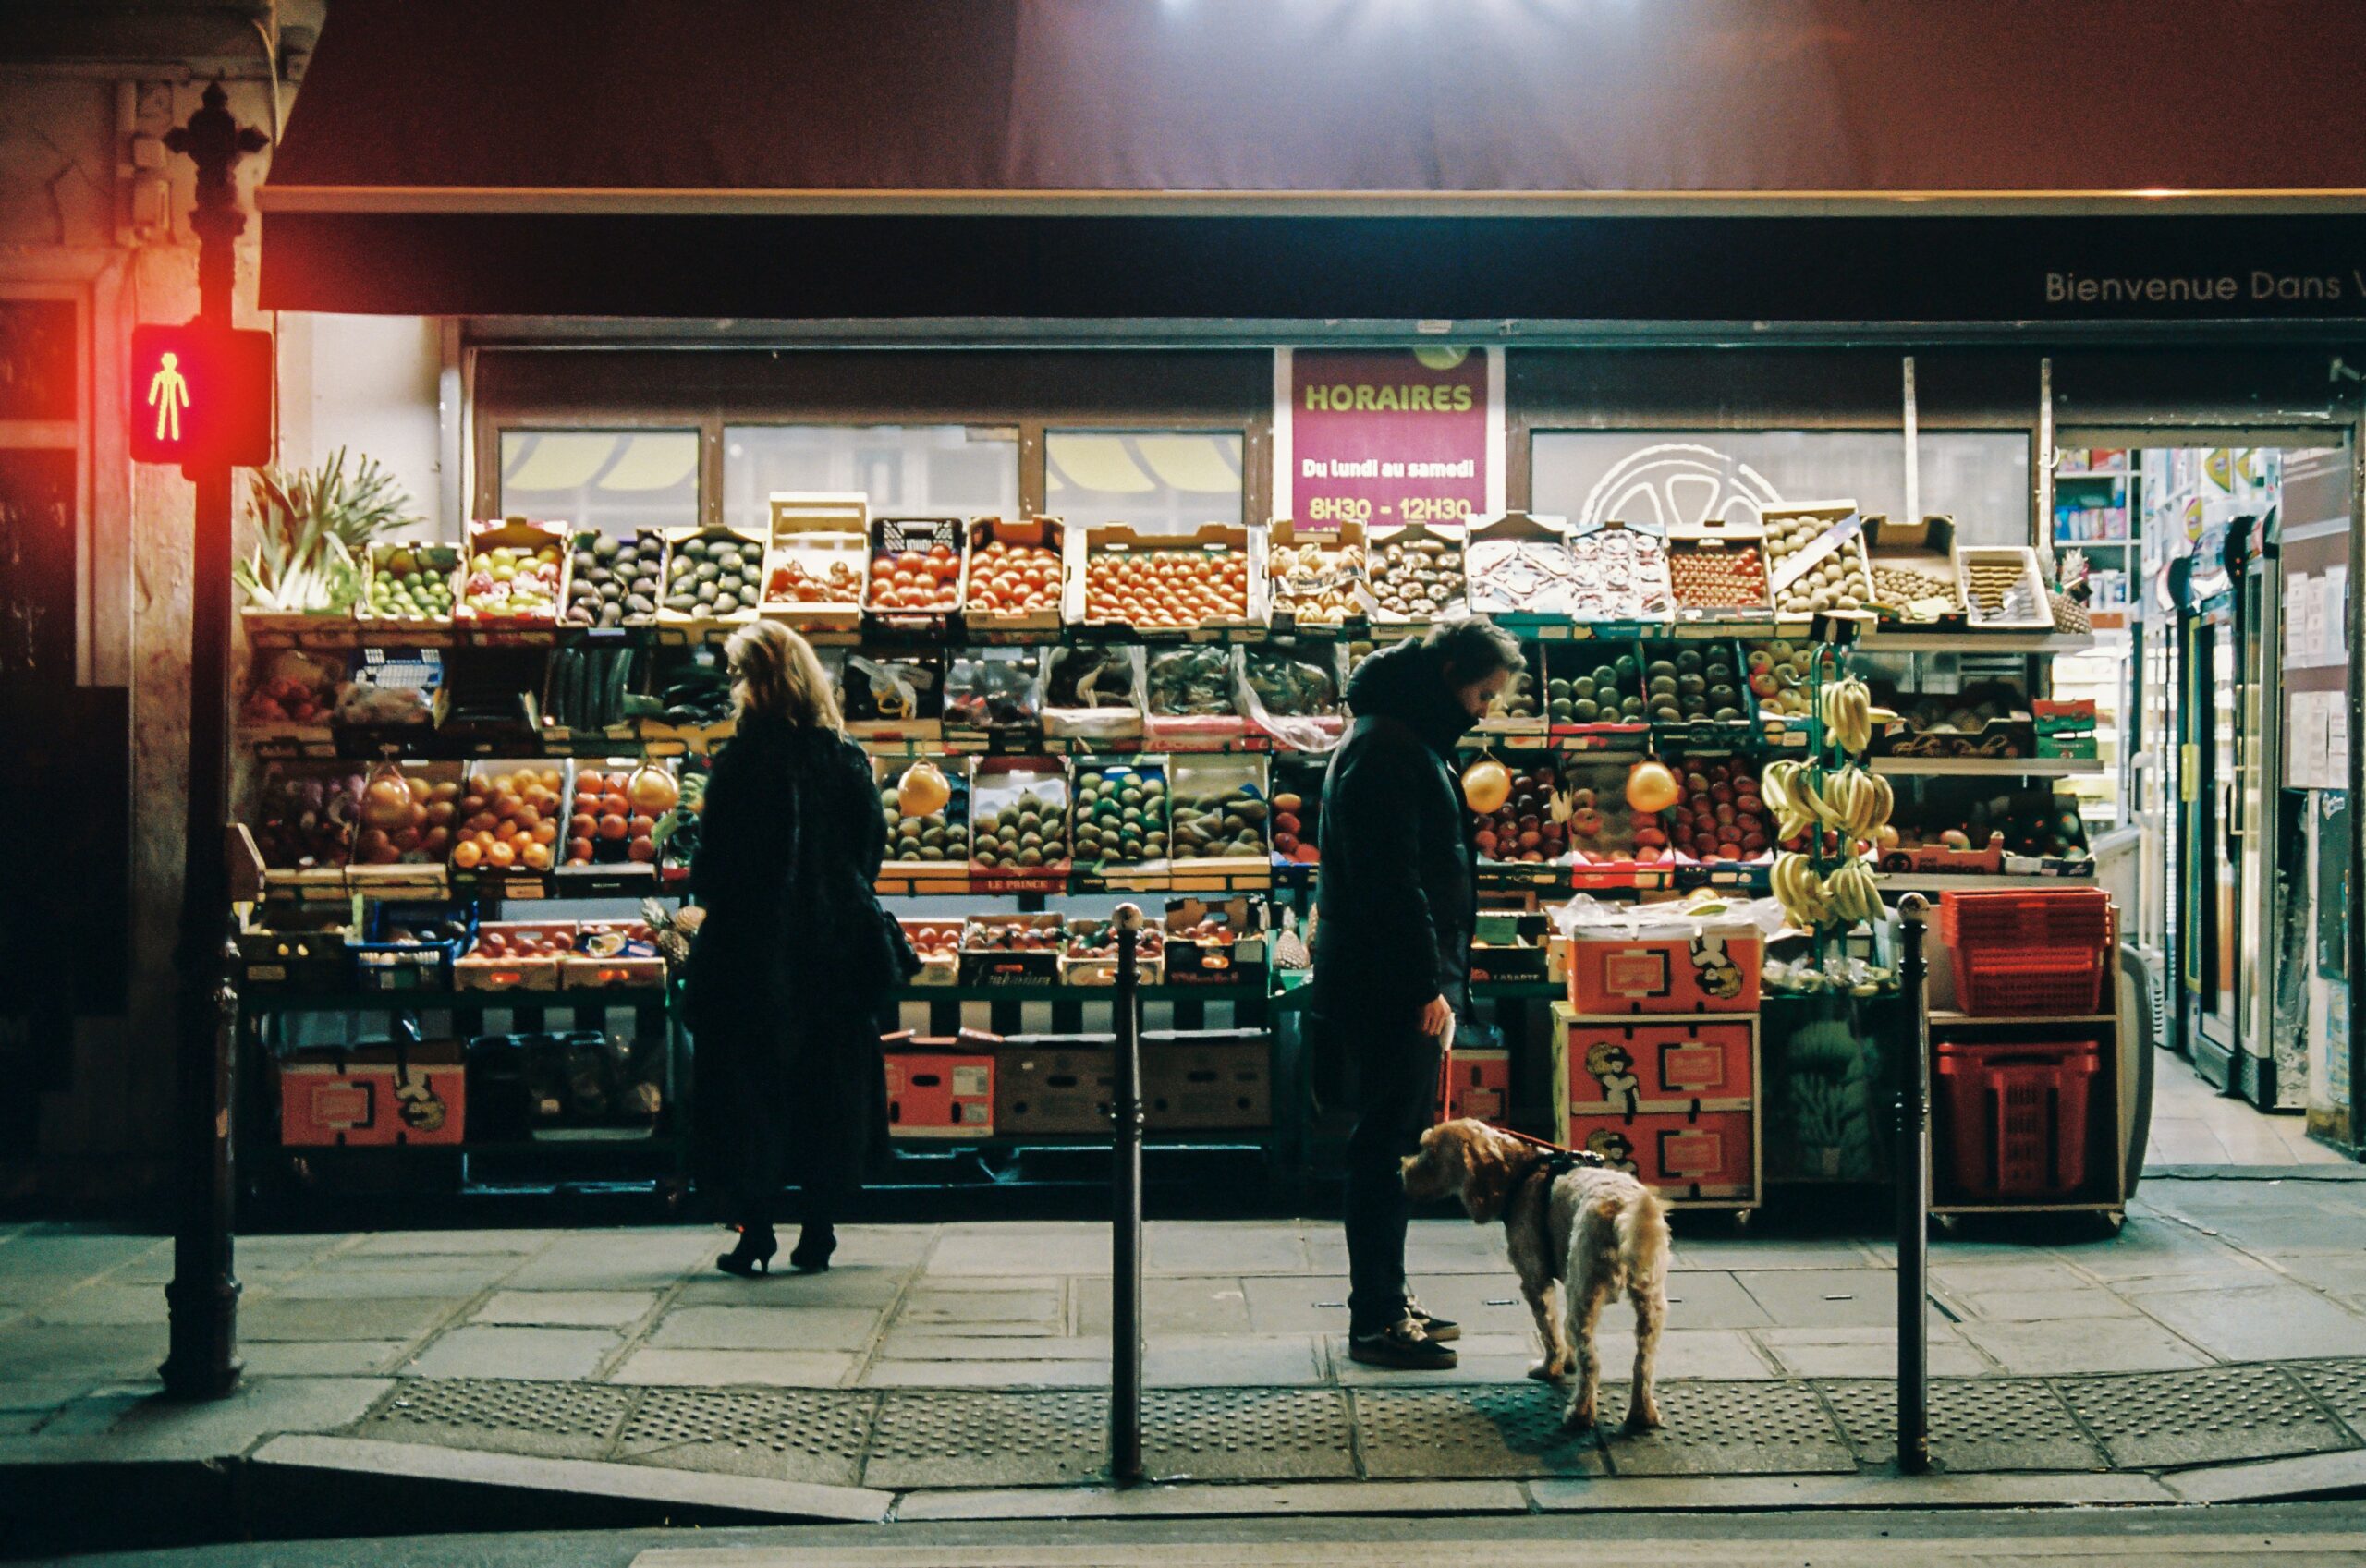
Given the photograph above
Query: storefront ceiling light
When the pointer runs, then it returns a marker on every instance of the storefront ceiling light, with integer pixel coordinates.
(559, 460)
(657, 461)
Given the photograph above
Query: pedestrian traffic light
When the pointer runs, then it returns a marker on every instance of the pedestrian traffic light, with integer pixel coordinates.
(200, 396)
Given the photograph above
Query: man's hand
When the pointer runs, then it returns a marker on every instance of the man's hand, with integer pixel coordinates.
(1437, 1019)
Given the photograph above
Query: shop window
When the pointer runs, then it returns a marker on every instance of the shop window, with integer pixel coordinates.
(1980, 479)
(613, 480)
(1158, 481)
(908, 470)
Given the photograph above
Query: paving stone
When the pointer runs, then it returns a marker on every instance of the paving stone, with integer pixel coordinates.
(2150, 1247)
(859, 1286)
(554, 1420)
(2120, 1346)
(103, 1302)
(1229, 1246)
(329, 1282)
(583, 1308)
(2078, 1303)
(53, 1254)
(1246, 1434)
(619, 1260)
(1967, 1276)
(1180, 1304)
(1238, 1361)
(41, 1395)
(988, 1439)
(1030, 1311)
(480, 1351)
(1867, 1352)
(2249, 1277)
(325, 1358)
(1726, 1429)
(772, 1434)
(2274, 1480)
(1767, 1252)
(1975, 1424)
(2341, 1385)
(1022, 1249)
(363, 1317)
(1501, 1429)
(936, 1345)
(1722, 1355)
(765, 1328)
(881, 1246)
(34, 1351)
(447, 1243)
(156, 1427)
(1822, 1299)
(1480, 1358)
(1305, 1305)
(2206, 1415)
(737, 1368)
(986, 1374)
(1713, 1300)
(2340, 1276)
(2273, 1323)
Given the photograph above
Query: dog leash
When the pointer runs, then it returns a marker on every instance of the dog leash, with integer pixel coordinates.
(1563, 1157)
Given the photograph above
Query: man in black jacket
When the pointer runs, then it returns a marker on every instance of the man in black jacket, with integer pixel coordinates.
(1397, 905)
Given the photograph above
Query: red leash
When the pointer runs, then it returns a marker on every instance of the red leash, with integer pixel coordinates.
(1446, 1104)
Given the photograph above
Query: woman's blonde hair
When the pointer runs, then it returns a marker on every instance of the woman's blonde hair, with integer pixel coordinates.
(775, 671)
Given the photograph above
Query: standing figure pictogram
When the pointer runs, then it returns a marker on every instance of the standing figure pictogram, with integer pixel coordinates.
(168, 394)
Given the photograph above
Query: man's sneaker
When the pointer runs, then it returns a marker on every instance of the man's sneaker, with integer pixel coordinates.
(1442, 1330)
(1403, 1347)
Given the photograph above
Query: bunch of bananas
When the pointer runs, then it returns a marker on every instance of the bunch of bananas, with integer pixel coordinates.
(1848, 714)
(1844, 897)
(1783, 788)
(1846, 799)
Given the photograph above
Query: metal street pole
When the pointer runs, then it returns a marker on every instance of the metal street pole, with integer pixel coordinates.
(203, 1361)
(1126, 1223)
(1913, 1196)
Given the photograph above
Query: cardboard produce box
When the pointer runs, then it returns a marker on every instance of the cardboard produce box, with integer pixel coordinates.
(1640, 1063)
(937, 1092)
(1207, 1080)
(1054, 1085)
(375, 1094)
(1711, 1157)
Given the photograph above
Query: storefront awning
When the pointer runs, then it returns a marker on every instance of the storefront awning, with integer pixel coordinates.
(1375, 158)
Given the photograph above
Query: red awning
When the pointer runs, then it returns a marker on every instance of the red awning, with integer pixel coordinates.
(449, 109)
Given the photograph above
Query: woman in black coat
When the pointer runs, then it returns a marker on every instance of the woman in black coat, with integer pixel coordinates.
(794, 959)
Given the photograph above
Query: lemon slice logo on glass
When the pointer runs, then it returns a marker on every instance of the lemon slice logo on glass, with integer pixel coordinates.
(1676, 484)
(1437, 358)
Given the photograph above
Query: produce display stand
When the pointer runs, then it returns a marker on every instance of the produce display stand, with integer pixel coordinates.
(652, 1159)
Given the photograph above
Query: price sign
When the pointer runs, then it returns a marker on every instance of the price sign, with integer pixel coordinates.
(1383, 437)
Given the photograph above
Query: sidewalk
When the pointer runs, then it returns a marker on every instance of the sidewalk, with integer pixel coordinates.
(960, 1371)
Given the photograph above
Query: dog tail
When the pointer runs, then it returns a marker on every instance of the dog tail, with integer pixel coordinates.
(1644, 1238)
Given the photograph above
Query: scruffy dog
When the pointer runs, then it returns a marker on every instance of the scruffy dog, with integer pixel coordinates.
(1600, 1231)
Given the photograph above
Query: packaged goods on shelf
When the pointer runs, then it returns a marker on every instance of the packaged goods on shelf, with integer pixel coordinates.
(612, 808)
(514, 956)
(1509, 946)
(291, 695)
(410, 816)
(511, 814)
(1717, 570)
(588, 686)
(2064, 729)
(1121, 814)
(937, 944)
(1170, 582)
(1019, 820)
(514, 574)
(1017, 575)
(999, 950)
(1212, 941)
(307, 816)
(1516, 565)
(1621, 574)
(1089, 957)
(412, 585)
(888, 696)
(1191, 694)
(373, 1095)
(1222, 819)
(935, 841)
(993, 694)
(1317, 578)
(2003, 589)
(1777, 672)
(412, 946)
(1092, 691)
(815, 558)
(939, 1088)
(1518, 708)
(1660, 959)
(1297, 805)
(1293, 693)
(1914, 572)
(1533, 824)
(615, 580)
(1595, 685)
(1815, 558)
(612, 954)
(916, 566)
(1415, 575)
(715, 576)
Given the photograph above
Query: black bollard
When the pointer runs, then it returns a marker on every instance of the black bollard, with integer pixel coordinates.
(1126, 1224)
(1913, 1196)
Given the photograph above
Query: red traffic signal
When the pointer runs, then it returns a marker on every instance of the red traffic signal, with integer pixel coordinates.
(200, 396)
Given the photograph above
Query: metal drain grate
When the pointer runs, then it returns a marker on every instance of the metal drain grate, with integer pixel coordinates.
(2341, 1384)
(555, 1420)
(1487, 1429)
(779, 1434)
(937, 1438)
(1976, 1424)
(1246, 1434)
(1768, 1428)
(2200, 1416)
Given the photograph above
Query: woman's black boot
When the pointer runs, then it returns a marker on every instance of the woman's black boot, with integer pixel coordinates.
(753, 1255)
(814, 1244)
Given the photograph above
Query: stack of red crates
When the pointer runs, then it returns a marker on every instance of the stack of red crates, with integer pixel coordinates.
(2017, 1112)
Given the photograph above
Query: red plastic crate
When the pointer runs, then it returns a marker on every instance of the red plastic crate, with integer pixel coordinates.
(2017, 1116)
(2037, 981)
(2054, 917)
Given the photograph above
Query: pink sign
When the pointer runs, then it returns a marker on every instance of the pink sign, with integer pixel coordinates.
(1388, 436)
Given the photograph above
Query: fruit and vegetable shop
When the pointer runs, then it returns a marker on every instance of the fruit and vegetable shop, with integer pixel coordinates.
(1837, 583)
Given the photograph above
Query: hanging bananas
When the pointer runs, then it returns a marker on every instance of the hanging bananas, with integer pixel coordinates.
(1848, 713)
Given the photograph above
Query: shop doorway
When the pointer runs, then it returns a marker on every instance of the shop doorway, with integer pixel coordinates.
(2219, 567)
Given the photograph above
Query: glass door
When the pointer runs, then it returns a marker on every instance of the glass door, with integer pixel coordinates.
(2206, 912)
